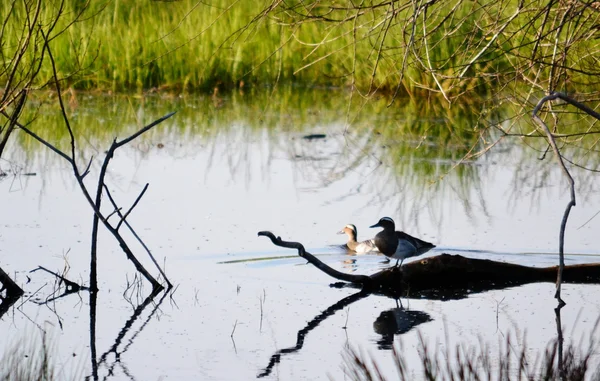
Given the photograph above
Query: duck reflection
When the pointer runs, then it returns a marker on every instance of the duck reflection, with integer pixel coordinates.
(397, 321)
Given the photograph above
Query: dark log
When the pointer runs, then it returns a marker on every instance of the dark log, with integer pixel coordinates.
(10, 292)
(449, 276)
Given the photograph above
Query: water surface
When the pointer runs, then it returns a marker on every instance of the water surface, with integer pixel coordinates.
(223, 169)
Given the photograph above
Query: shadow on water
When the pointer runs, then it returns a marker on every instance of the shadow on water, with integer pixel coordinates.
(10, 293)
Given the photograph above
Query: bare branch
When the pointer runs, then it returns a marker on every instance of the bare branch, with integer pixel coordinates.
(124, 219)
(572, 202)
(361, 279)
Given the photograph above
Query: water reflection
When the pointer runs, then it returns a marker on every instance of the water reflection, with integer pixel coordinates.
(119, 347)
(413, 156)
(389, 323)
(314, 323)
(405, 161)
(397, 321)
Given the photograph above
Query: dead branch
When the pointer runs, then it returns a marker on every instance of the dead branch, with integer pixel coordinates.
(360, 279)
(12, 121)
(559, 158)
(13, 292)
(95, 204)
(70, 286)
(448, 276)
(124, 220)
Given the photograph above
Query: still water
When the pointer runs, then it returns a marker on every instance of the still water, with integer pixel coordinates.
(224, 168)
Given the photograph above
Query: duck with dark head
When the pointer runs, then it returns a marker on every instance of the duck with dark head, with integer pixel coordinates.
(396, 244)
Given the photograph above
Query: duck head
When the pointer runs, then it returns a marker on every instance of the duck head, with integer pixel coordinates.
(350, 230)
(386, 223)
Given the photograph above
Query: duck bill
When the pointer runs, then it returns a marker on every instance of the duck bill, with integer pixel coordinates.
(341, 232)
(375, 226)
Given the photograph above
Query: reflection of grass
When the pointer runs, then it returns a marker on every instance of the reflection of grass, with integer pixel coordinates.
(419, 141)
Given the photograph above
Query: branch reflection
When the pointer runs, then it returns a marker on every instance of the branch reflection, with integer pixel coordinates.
(389, 323)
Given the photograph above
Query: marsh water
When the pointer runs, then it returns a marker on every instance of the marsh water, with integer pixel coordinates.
(301, 164)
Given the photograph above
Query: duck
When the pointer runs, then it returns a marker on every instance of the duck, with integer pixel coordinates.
(352, 244)
(396, 244)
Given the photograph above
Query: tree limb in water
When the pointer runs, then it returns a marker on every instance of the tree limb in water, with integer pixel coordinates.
(447, 276)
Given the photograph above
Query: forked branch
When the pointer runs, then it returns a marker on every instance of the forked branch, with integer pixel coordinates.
(95, 204)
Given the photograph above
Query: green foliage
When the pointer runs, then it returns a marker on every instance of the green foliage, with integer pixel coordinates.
(450, 47)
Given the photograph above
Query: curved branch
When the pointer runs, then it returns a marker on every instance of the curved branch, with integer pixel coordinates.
(277, 241)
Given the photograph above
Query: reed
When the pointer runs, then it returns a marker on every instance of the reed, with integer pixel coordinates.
(186, 45)
(480, 362)
(34, 358)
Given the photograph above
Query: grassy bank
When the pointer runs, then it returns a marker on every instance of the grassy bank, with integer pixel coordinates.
(453, 47)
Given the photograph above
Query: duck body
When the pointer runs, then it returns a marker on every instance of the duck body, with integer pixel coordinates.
(352, 244)
(396, 244)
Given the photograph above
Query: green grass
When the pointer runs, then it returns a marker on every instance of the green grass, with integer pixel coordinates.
(188, 45)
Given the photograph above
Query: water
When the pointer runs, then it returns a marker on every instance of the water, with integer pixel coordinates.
(221, 172)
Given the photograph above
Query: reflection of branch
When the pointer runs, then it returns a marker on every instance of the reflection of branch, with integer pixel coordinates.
(276, 358)
(127, 327)
(559, 342)
(572, 202)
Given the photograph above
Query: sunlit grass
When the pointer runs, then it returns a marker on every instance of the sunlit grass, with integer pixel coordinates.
(190, 45)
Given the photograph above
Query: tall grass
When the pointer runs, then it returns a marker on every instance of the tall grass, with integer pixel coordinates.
(33, 359)
(191, 45)
(480, 362)
(452, 47)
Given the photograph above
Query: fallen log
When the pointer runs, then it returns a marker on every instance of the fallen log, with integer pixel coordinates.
(448, 276)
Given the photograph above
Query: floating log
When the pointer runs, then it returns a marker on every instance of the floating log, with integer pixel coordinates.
(448, 276)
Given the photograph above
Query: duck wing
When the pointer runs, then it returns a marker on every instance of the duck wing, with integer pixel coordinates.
(419, 244)
(366, 247)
